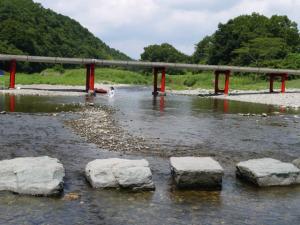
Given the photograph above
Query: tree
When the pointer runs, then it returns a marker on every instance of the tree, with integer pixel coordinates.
(250, 40)
(259, 50)
(203, 49)
(165, 53)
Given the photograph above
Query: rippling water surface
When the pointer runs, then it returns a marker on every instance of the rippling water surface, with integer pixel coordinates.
(182, 125)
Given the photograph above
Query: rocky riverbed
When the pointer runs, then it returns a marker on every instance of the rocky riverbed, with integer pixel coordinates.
(98, 126)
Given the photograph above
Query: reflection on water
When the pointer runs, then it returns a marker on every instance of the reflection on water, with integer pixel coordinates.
(159, 103)
(37, 104)
(183, 126)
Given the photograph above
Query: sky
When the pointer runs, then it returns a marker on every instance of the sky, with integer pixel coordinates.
(131, 25)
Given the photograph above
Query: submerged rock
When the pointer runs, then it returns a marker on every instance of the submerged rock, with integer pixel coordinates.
(32, 176)
(196, 172)
(268, 172)
(123, 173)
(71, 197)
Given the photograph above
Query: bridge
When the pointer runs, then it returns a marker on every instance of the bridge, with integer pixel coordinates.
(158, 68)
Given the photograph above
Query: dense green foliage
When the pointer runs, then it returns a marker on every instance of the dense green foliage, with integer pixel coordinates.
(28, 28)
(252, 40)
(164, 53)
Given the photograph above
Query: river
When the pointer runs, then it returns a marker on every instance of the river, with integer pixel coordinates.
(181, 125)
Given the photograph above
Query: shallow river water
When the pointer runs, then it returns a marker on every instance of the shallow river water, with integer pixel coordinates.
(181, 125)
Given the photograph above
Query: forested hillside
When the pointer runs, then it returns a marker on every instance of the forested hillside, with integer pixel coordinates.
(28, 28)
(252, 40)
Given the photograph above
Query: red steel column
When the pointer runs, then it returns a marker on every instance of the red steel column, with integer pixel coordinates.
(226, 89)
(163, 80)
(155, 73)
(283, 79)
(217, 82)
(13, 68)
(87, 83)
(271, 83)
(92, 78)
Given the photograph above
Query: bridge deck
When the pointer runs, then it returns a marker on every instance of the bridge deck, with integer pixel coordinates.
(158, 67)
(83, 61)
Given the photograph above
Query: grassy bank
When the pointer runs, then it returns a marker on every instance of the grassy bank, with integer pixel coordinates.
(114, 76)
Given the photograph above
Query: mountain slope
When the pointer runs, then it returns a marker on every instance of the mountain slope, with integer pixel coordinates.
(28, 28)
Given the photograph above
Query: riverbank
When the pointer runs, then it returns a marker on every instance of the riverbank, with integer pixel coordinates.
(113, 76)
(54, 90)
(289, 99)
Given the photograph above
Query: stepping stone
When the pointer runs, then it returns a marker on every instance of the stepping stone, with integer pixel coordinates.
(196, 172)
(120, 173)
(296, 162)
(41, 176)
(268, 172)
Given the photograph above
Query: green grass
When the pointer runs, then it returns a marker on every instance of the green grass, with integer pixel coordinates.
(115, 76)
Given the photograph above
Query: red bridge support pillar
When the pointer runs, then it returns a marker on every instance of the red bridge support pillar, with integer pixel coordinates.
(162, 89)
(226, 86)
(87, 83)
(155, 75)
(283, 76)
(12, 78)
(163, 80)
(90, 78)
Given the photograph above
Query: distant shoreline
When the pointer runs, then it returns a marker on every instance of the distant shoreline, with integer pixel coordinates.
(289, 99)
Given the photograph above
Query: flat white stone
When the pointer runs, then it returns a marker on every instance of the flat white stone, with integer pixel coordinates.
(196, 172)
(268, 172)
(114, 173)
(32, 176)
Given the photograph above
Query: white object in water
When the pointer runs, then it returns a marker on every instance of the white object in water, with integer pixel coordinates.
(111, 93)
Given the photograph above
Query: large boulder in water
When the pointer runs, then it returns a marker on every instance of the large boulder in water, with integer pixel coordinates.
(268, 172)
(120, 173)
(41, 176)
(196, 172)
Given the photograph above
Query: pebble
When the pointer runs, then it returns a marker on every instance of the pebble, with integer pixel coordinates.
(71, 197)
(98, 126)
